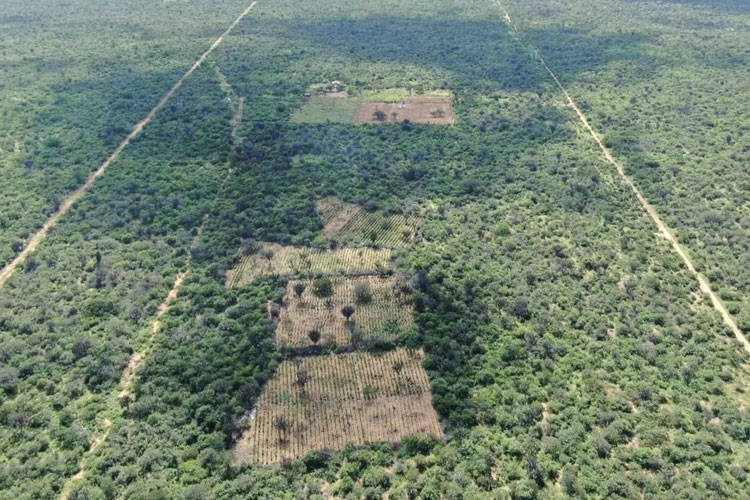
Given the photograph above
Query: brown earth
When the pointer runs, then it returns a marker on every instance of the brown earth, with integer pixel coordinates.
(429, 110)
(358, 398)
(299, 315)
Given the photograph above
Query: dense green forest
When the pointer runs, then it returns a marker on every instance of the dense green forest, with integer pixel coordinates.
(75, 78)
(667, 94)
(570, 352)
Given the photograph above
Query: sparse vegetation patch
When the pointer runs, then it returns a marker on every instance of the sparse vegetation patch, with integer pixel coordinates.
(362, 309)
(350, 223)
(326, 108)
(275, 259)
(429, 110)
(325, 402)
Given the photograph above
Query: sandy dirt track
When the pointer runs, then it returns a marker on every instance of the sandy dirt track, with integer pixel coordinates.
(76, 195)
(665, 231)
(138, 357)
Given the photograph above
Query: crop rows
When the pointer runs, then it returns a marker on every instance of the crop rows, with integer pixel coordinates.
(347, 222)
(376, 319)
(317, 426)
(357, 398)
(352, 376)
(385, 230)
(335, 214)
(274, 259)
(329, 208)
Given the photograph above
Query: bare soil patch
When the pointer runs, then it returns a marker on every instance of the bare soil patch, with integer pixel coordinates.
(358, 398)
(428, 110)
(335, 214)
(387, 313)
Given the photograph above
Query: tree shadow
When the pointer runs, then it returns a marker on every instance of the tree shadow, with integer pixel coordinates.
(727, 6)
(479, 55)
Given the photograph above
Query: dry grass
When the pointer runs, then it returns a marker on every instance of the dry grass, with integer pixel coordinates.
(429, 110)
(350, 223)
(388, 313)
(274, 259)
(358, 398)
(334, 108)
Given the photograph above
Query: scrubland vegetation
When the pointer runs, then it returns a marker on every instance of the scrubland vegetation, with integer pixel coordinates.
(76, 77)
(564, 348)
(327, 402)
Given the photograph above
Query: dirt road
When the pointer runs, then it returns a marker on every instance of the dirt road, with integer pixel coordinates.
(136, 360)
(76, 195)
(703, 282)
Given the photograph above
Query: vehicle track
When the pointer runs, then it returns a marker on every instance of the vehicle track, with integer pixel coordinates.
(666, 232)
(76, 195)
(138, 357)
(135, 362)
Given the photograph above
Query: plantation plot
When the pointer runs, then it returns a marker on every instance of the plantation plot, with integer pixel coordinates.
(429, 110)
(328, 401)
(335, 214)
(350, 223)
(275, 259)
(380, 310)
(327, 103)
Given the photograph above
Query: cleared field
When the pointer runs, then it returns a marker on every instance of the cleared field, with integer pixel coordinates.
(358, 398)
(275, 259)
(350, 223)
(335, 214)
(396, 105)
(428, 110)
(386, 313)
(326, 108)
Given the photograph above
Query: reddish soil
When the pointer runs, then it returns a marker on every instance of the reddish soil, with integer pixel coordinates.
(429, 110)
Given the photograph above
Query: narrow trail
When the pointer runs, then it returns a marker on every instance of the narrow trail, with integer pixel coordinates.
(76, 195)
(125, 387)
(665, 231)
(136, 360)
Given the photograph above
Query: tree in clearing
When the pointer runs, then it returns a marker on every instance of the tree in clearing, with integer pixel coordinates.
(347, 311)
(380, 115)
(398, 366)
(314, 336)
(299, 289)
(363, 293)
(323, 287)
(303, 377)
(282, 425)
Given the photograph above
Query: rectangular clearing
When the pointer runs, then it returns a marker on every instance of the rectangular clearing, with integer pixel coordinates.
(350, 223)
(428, 110)
(387, 313)
(275, 259)
(359, 398)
